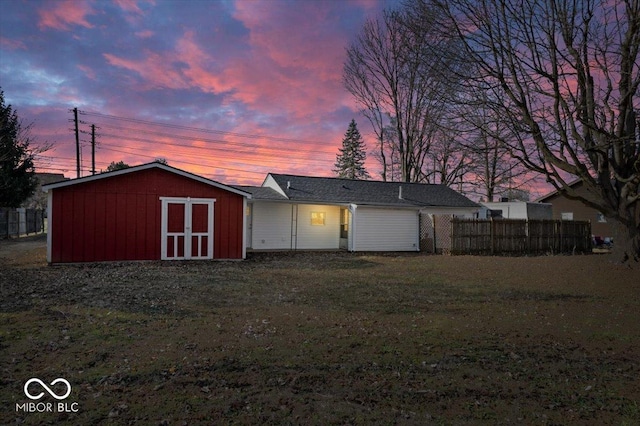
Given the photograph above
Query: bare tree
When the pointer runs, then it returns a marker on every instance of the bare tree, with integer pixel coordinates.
(391, 73)
(564, 76)
(449, 158)
(387, 153)
(494, 169)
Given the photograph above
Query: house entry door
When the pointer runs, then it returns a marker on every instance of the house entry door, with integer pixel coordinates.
(187, 228)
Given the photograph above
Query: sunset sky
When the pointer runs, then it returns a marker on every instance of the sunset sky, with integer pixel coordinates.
(228, 89)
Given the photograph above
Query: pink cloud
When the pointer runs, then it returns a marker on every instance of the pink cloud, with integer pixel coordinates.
(12, 44)
(186, 67)
(287, 69)
(62, 15)
(131, 5)
(154, 68)
(293, 58)
(145, 34)
(89, 72)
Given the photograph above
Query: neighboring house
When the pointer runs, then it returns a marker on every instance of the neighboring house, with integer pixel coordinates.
(39, 199)
(147, 212)
(516, 210)
(291, 212)
(567, 209)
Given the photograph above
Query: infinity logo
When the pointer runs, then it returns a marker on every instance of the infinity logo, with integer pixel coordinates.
(52, 393)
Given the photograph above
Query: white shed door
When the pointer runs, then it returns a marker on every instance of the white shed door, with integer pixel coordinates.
(386, 230)
(187, 228)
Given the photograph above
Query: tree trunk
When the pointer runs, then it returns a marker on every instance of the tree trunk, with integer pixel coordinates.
(626, 242)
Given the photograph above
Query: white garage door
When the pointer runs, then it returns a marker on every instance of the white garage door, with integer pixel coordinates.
(386, 230)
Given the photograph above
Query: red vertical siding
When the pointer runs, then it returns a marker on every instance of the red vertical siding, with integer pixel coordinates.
(119, 217)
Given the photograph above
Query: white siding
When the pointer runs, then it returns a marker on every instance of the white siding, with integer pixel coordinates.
(318, 237)
(386, 230)
(510, 209)
(271, 226)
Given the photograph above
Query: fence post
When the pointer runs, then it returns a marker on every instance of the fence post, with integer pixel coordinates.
(4, 222)
(492, 236)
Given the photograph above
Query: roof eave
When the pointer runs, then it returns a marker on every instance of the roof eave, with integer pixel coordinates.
(141, 167)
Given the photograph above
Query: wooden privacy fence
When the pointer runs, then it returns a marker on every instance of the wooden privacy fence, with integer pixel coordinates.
(16, 222)
(519, 237)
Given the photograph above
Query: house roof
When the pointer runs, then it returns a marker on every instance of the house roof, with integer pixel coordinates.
(547, 197)
(262, 192)
(47, 178)
(134, 169)
(364, 192)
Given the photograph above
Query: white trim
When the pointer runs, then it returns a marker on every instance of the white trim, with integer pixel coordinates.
(244, 227)
(145, 167)
(270, 182)
(49, 223)
(187, 233)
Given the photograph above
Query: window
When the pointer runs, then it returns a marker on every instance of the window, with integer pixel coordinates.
(318, 218)
(600, 218)
(567, 216)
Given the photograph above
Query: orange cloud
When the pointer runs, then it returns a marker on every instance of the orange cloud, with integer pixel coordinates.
(62, 15)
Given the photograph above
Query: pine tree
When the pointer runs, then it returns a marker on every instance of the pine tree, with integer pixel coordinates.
(17, 174)
(350, 162)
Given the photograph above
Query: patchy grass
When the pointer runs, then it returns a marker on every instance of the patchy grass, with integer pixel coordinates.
(326, 338)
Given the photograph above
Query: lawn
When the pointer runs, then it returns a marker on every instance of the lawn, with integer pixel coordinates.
(322, 338)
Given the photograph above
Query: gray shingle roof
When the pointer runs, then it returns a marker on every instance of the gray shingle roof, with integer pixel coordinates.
(335, 190)
(261, 192)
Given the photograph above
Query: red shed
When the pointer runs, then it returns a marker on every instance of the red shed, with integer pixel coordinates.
(147, 212)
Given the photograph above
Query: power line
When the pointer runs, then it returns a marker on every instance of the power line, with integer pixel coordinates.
(197, 129)
(186, 162)
(257, 155)
(278, 156)
(198, 139)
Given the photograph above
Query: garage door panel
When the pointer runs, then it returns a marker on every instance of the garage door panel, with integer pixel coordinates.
(386, 230)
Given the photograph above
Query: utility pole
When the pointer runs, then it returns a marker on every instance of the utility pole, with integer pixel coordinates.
(75, 119)
(93, 149)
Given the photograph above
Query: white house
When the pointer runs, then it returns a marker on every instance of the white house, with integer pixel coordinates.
(291, 212)
(516, 210)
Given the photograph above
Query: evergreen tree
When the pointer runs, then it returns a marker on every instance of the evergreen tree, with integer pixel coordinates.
(350, 161)
(17, 174)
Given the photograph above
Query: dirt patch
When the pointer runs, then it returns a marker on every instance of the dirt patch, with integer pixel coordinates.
(324, 338)
(24, 251)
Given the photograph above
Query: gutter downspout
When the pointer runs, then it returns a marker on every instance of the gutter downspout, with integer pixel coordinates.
(293, 244)
(352, 233)
(432, 219)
